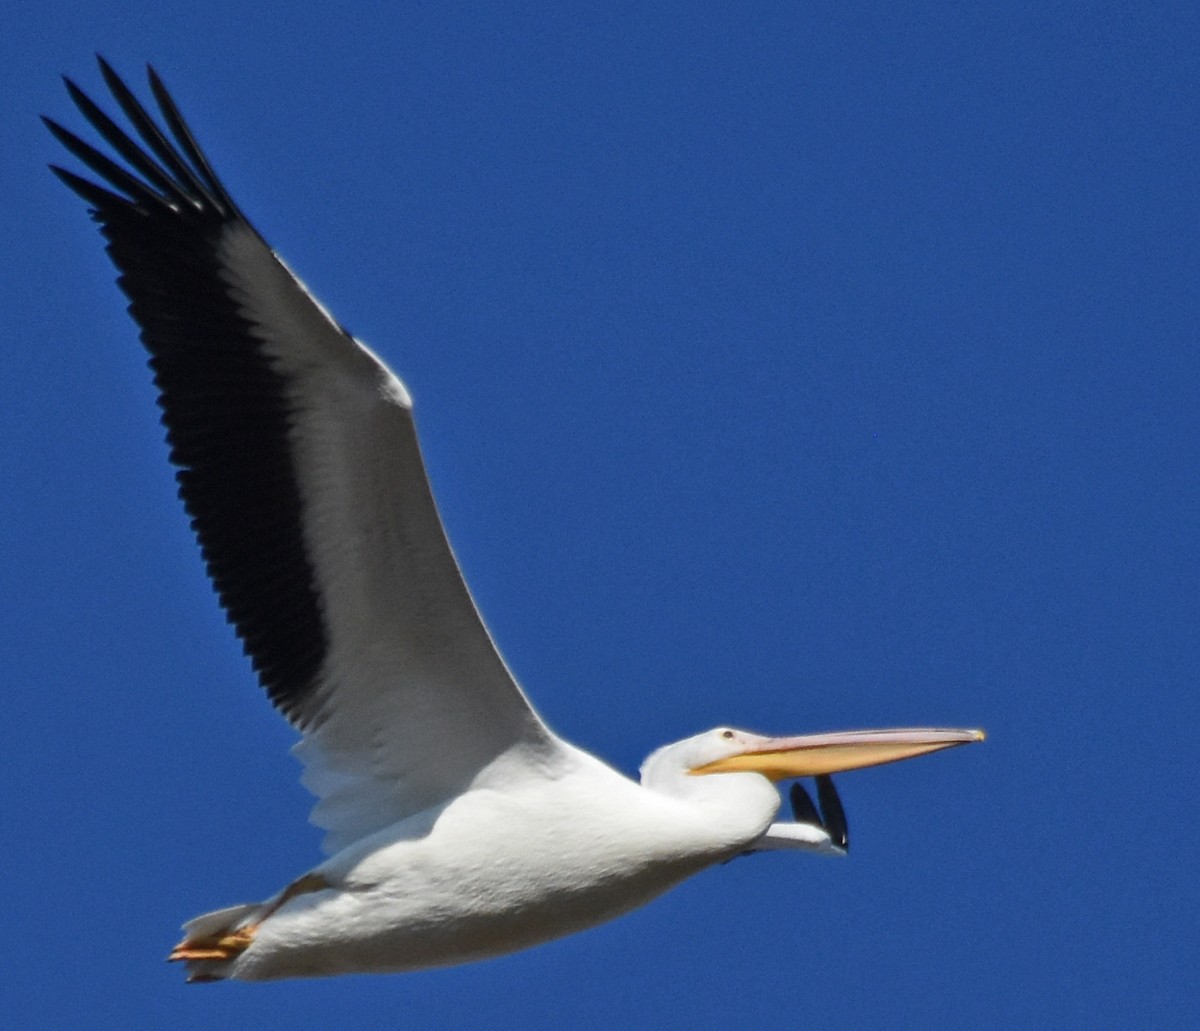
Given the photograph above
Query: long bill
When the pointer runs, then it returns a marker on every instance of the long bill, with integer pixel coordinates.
(782, 758)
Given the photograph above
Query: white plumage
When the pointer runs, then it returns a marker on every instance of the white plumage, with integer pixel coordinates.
(457, 825)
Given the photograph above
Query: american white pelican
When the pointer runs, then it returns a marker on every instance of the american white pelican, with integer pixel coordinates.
(458, 826)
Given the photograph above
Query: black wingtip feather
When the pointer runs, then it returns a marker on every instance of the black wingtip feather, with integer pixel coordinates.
(187, 142)
(132, 187)
(120, 141)
(96, 196)
(161, 147)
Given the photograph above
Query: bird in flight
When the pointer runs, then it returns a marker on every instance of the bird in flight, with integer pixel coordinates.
(457, 824)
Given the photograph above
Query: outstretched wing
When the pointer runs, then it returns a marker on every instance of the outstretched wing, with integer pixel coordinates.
(299, 465)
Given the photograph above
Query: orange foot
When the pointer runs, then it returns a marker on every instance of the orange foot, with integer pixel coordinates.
(226, 944)
(222, 946)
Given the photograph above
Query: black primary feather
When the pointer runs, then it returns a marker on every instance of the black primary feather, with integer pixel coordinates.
(224, 406)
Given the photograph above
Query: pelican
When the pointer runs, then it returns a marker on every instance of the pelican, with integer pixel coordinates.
(457, 825)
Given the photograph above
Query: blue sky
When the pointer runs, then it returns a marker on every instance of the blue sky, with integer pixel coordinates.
(795, 367)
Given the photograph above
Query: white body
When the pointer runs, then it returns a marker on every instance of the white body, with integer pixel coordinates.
(498, 870)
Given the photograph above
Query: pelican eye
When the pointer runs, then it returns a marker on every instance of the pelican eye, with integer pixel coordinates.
(727, 734)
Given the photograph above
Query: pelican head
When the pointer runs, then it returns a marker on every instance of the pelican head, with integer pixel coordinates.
(725, 750)
(743, 800)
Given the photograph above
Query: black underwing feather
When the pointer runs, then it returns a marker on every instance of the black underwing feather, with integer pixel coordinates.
(833, 816)
(803, 810)
(224, 406)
